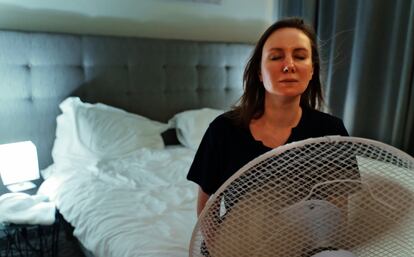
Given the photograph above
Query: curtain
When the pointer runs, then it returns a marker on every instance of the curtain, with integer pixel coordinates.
(368, 63)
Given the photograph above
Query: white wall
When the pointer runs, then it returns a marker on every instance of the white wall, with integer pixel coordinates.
(231, 20)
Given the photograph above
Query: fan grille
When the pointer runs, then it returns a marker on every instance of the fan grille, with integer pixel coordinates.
(325, 193)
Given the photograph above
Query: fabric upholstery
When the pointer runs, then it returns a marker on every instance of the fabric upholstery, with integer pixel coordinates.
(152, 77)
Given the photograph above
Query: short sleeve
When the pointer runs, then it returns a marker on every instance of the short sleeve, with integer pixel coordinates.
(342, 131)
(204, 170)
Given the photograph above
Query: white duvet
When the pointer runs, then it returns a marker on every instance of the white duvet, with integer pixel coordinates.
(139, 205)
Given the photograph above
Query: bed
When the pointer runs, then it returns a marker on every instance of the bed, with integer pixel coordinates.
(78, 97)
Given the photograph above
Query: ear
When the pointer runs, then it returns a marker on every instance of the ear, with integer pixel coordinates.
(260, 76)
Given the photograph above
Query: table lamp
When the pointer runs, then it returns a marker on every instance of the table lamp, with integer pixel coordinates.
(19, 165)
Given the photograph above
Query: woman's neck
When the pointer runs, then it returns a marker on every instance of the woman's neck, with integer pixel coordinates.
(274, 127)
(282, 114)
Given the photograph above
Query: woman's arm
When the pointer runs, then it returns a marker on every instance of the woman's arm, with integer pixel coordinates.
(202, 200)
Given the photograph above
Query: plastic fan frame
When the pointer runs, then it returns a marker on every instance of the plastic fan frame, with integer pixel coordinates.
(279, 150)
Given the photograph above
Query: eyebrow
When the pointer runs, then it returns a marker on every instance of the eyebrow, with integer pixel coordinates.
(295, 49)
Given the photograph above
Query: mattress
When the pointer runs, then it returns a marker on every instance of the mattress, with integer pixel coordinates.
(136, 205)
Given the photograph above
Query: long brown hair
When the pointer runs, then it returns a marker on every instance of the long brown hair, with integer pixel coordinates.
(251, 104)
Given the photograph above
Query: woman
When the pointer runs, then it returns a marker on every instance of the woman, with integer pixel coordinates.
(282, 95)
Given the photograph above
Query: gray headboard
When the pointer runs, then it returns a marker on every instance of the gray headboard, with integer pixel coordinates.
(152, 77)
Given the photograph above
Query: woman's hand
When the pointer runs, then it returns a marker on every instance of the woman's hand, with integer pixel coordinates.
(202, 200)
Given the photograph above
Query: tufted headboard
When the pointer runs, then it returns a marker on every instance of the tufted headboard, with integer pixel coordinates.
(152, 77)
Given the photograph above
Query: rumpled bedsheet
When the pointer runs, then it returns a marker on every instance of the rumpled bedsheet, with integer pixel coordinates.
(138, 205)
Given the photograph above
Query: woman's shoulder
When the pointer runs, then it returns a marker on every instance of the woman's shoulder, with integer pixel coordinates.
(225, 119)
(317, 115)
(224, 124)
(324, 123)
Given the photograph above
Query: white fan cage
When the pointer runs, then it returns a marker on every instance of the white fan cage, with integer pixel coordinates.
(318, 194)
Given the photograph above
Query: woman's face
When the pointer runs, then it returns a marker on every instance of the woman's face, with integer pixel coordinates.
(286, 65)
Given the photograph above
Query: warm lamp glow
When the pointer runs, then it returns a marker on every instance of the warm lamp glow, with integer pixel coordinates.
(18, 165)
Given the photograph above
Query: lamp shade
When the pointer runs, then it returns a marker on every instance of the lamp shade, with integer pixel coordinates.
(18, 162)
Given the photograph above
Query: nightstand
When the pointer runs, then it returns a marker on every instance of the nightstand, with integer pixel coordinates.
(29, 240)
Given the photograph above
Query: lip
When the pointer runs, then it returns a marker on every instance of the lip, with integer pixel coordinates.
(288, 80)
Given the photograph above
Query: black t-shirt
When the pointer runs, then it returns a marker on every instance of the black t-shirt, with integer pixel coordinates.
(226, 147)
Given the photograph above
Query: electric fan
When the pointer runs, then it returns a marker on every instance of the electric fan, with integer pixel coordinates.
(317, 197)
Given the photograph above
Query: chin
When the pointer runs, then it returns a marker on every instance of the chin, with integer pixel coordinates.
(290, 93)
(293, 90)
(286, 91)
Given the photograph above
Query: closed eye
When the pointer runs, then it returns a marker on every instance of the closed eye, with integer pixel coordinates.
(301, 54)
(275, 57)
(300, 57)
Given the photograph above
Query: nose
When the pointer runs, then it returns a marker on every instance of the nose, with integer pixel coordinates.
(288, 65)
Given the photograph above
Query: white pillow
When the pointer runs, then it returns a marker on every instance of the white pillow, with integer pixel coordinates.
(191, 125)
(97, 131)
